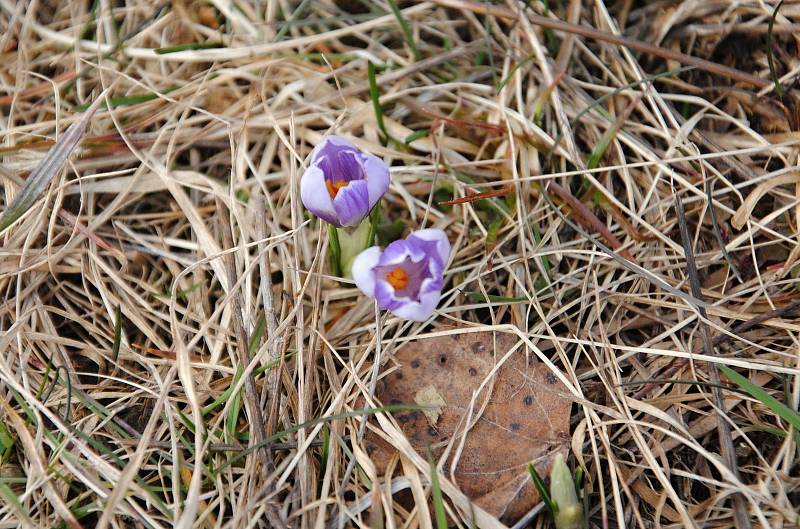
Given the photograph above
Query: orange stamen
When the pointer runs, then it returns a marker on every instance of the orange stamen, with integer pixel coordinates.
(398, 278)
(334, 187)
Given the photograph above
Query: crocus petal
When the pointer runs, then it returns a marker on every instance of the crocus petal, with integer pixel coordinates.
(363, 270)
(384, 295)
(352, 203)
(339, 160)
(331, 143)
(418, 311)
(422, 258)
(378, 177)
(315, 196)
(400, 250)
(439, 238)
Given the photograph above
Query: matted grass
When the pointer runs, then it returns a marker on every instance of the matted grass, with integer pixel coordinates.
(175, 352)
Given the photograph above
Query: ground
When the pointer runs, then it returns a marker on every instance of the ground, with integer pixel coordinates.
(618, 183)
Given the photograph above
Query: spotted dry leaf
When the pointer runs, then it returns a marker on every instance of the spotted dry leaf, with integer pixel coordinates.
(526, 418)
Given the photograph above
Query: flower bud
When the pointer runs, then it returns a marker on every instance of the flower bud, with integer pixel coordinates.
(562, 491)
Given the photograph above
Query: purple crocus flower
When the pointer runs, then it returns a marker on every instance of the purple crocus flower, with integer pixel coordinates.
(406, 277)
(342, 184)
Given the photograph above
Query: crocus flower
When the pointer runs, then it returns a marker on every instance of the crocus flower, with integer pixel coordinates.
(342, 184)
(406, 277)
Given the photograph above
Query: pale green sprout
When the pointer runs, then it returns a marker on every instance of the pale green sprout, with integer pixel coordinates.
(568, 511)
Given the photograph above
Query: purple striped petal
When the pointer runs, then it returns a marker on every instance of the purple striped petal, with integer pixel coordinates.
(378, 177)
(439, 240)
(407, 277)
(363, 270)
(343, 184)
(315, 196)
(352, 203)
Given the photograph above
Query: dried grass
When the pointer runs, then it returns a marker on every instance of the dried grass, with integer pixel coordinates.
(177, 227)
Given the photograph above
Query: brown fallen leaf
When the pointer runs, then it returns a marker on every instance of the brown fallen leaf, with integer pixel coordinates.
(526, 418)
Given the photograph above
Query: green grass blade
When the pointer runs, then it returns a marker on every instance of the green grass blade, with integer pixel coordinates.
(376, 102)
(782, 410)
(544, 494)
(374, 220)
(258, 333)
(190, 46)
(480, 296)
(296, 14)
(130, 100)
(14, 502)
(117, 334)
(6, 442)
(770, 58)
(537, 235)
(313, 422)
(335, 250)
(406, 29)
(436, 495)
(414, 136)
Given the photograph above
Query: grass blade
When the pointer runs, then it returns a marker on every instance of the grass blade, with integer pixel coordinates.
(436, 495)
(313, 422)
(406, 30)
(782, 410)
(770, 58)
(190, 46)
(541, 488)
(48, 168)
(335, 250)
(376, 103)
(117, 333)
(492, 298)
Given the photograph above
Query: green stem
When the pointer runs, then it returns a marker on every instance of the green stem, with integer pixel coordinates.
(335, 250)
(770, 59)
(374, 216)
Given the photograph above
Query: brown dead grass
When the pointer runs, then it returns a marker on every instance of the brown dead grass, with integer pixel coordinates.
(180, 212)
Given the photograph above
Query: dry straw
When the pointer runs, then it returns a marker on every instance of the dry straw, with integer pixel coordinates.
(175, 353)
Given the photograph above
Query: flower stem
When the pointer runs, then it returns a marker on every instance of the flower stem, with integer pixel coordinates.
(374, 216)
(335, 250)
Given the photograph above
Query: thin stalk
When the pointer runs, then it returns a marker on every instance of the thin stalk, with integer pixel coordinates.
(335, 250)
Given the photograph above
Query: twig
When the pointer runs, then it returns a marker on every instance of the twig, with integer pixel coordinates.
(587, 218)
(268, 302)
(724, 429)
(253, 403)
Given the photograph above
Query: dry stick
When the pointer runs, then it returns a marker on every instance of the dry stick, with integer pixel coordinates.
(251, 397)
(268, 302)
(584, 31)
(256, 418)
(587, 218)
(740, 514)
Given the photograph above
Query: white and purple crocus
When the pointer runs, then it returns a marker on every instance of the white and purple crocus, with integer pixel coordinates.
(343, 184)
(407, 277)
